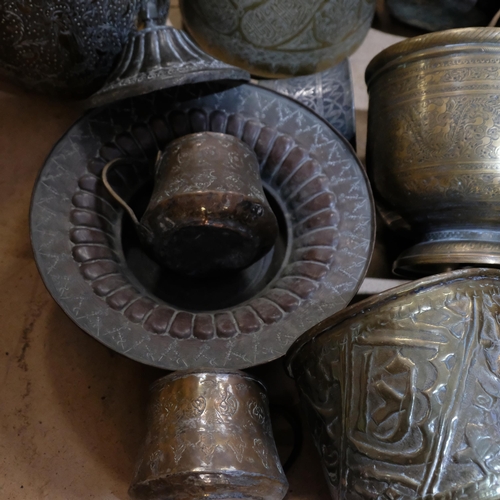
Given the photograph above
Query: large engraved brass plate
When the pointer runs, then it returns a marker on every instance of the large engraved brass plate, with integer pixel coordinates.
(112, 290)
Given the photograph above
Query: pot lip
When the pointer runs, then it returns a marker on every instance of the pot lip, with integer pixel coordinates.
(412, 288)
(417, 46)
(210, 371)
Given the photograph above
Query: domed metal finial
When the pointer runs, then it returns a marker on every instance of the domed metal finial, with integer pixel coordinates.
(158, 57)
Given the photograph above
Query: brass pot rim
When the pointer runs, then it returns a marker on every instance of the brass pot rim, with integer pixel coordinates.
(206, 371)
(209, 133)
(376, 301)
(418, 46)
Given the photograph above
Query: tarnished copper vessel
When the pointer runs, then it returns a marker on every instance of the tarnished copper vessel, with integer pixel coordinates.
(209, 436)
(279, 38)
(208, 211)
(434, 145)
(403, 391)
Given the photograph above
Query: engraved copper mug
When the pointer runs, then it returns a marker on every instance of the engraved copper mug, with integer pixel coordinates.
(209, 436)
(403, 391)
(208, 211)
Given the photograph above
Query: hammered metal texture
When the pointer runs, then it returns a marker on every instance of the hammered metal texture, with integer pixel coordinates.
(433, 144)
(76, 230)
(279, 38)
(209, 436)
(64, 47)
(329, 94)
(403, 391)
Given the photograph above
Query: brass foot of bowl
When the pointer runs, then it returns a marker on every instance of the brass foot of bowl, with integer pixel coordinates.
(448, 250)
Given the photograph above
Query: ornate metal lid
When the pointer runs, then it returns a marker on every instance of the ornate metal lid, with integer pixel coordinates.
(160, 57)
(438, 43)
(91, 264)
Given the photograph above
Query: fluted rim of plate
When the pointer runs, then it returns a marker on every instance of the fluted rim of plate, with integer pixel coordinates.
(376, 301)
(416, 46)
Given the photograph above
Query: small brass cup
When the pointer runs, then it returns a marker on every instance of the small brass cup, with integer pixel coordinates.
(209, 436)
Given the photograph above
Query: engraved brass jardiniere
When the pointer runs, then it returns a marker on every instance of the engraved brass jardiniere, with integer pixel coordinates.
(208, 211)
(434, 145)
(279, 38)
(403, 391)
(209, 436)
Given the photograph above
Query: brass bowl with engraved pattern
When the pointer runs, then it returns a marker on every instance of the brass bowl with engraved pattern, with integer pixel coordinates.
(279, 38)
(403, 391)
(209, 436)
(434, 145)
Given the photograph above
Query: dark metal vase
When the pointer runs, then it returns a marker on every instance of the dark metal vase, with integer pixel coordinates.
(279, 38)
(328, 93)
(64, 48)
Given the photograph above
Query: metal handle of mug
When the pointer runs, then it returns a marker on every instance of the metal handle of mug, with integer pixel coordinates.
(296, 425)
(112, 192)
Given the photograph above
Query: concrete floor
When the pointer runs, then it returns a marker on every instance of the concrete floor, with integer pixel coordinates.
(71, 411)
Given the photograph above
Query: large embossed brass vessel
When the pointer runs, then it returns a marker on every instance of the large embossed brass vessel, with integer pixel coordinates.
(434, 145)
(403, 391)
(278, 38)
(209, 437)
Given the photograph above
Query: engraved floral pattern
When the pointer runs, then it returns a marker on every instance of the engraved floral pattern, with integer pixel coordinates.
(279, 36)
(63, 47)
(220, 439)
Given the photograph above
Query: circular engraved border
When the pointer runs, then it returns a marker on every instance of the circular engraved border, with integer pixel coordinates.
(77, 242)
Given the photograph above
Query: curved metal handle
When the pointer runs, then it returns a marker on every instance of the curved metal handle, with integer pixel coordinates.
(113, 193)
(298, 437)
